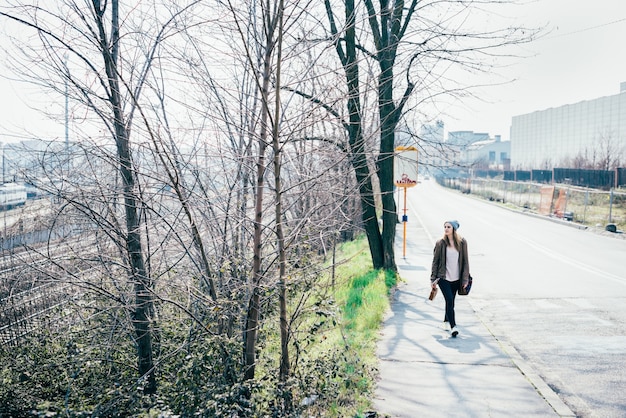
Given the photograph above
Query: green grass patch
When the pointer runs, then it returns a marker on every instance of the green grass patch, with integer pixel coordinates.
(362, 299)
(334, 335)
(365, 302)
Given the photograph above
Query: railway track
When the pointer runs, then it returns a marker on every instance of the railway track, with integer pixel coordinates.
(31, 300)
(23, 313)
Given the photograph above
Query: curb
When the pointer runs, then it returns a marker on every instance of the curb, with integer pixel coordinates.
(529, 372)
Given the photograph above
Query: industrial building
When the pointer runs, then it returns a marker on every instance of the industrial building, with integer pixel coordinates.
(460, 151)
(587, 134)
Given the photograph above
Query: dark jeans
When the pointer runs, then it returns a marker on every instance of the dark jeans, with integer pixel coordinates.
(449, 291)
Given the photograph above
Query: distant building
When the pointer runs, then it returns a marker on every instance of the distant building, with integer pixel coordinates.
(477, 150)
(459, 152)
(465, 138)
(489, 154)
(37, 158)
(589, 131)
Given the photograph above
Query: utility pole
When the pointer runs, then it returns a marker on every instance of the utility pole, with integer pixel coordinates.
(67, 113)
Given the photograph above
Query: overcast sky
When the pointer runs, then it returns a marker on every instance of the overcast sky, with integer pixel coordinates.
(582, 58)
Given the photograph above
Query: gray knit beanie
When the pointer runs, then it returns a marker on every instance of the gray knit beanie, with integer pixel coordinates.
(455, 224)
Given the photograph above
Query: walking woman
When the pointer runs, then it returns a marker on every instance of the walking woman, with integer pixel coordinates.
(450, 270)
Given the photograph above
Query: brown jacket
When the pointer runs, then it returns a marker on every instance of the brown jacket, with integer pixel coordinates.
(439, 262)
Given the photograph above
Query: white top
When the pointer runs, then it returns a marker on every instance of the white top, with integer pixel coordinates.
(452, 264)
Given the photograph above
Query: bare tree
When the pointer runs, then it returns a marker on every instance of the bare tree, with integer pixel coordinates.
(268, 79)
(419, 40)
(199, 196)
(346, 48)
(609, 153)
(97, 43)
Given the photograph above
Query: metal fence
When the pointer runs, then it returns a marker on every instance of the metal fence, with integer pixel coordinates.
(595, 179)
(587, 206)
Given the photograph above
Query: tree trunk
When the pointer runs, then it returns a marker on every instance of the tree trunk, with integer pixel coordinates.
(252, 318)
(357, 150)
(390, 16)
(284, 369)
(385, 163)
(143, 308)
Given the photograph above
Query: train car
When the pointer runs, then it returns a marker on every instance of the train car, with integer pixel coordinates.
(12, 195)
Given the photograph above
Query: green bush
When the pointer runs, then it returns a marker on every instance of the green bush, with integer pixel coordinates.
(90, 370)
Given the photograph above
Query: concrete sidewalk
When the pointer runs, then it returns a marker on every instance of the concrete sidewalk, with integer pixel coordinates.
(426, 373)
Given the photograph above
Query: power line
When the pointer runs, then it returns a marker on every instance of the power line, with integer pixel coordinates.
(587, 29)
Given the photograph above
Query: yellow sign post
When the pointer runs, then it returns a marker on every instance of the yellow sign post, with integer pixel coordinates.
(405, 176)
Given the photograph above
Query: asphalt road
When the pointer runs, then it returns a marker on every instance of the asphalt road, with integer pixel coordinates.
(554, 292)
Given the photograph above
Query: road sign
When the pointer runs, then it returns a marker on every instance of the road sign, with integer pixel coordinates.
(405, 167)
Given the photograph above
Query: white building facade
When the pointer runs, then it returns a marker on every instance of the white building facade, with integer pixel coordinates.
(490, 154)
(558, 136)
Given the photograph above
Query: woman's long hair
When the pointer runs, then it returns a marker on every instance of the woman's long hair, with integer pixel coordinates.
(456, 239)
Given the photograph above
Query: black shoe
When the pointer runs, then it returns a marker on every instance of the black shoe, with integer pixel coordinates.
(455, 332)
